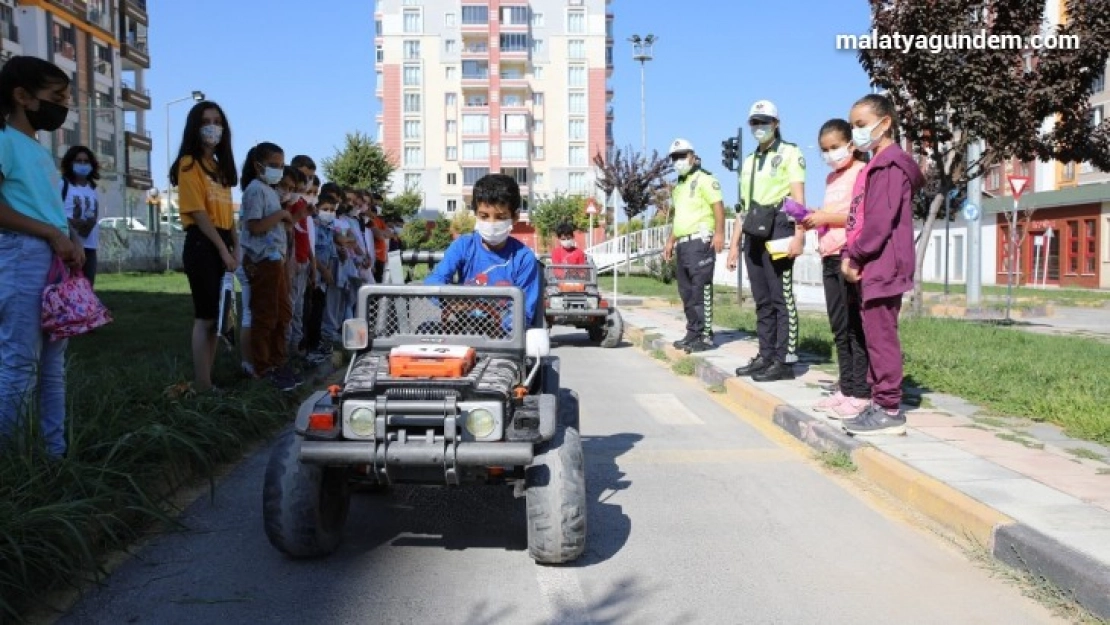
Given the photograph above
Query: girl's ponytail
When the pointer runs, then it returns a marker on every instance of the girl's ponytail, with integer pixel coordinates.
(249, 170)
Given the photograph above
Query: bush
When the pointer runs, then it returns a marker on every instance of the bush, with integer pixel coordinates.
(463, 222)
(664, 271)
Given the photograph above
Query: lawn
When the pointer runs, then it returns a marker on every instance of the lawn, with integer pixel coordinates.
(1058, 379)
(1030, 296)
(133, 441)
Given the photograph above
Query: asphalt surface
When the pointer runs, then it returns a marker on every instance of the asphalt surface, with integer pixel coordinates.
(695, 517)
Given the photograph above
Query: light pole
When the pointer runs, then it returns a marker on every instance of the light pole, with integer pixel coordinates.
(642, 52)
(196, 96)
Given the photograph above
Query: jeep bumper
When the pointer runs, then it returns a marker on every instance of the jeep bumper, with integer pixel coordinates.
(416, 453)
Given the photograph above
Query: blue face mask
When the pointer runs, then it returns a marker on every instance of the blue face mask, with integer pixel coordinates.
(273, 175)
(82, 169)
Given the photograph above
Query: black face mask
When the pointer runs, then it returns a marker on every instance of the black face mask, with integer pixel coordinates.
(49, 117)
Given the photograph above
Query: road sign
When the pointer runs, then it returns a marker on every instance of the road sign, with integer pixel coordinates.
(591, 207)
(970, 211)
(1018, 184)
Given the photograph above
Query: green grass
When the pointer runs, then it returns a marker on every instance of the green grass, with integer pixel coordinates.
(837, 460)
(1028, 295)
(1020, 440)
(132, 444)
(658, 354)
(686, 365)
(1088, 454)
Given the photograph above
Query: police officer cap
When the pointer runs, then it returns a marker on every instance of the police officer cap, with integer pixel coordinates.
(764, 110)
(679, 146)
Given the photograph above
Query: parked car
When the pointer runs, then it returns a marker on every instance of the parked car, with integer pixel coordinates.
(123, 223)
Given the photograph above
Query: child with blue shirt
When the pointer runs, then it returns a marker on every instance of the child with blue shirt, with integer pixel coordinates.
(34, 96)
(490, 256)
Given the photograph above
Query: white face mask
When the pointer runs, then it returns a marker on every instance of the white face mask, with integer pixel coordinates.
(567, 243)
(763, 132)
(211, 134)
(683, 167)
(272, 175)
(494, 232)
(327, 217)
(837, 157)
(862, 137)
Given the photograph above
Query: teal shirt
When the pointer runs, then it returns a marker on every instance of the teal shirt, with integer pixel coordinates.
(31, 179)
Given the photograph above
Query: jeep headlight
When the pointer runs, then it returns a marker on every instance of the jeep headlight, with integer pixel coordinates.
(480, 423)
(362, 420)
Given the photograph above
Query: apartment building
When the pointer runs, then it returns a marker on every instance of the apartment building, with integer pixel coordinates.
(102, 45)
(469, 87)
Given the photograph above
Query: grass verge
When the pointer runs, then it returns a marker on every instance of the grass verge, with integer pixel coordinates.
(132, 444)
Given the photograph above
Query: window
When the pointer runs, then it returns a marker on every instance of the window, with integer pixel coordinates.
(1090, 254)
(1099, 85)
(379, 53)
(537, 127)
(576, 129)
(1073, 247)
(412, 102)
(412, 75)
(537, 99)
(537, 152)
(475, 150)
(576, 75)
(412, 181)
(449, 20)
(519, 174)
(576, 182)
(537, 71)
(537, 179)
(377, 28)
(475, 70)
(576, 103)
(452, 153)
(577, 156)
(958, 253)
(452, 205)
(475, 124)
(450, 47)
(514, 42)
(452, 179)
(413, 156)
(473, 174)
(576, 48)
(1069, 171)
(412, 129)
(537, 47)
(477, 99)
(65, 41)
(475, 14)
(1097, 116)
(378, 77)
(1106, 243)
(381, 132)
(451, 72)
(995, 178)
(412, 49)
(512, 99)
(514, 151)
(938, 257)
(515, 124)
(576, 22)
(515, 15)
(537, 20)
(451, 99)
(413, 21)
(103, 60)
(452, 127)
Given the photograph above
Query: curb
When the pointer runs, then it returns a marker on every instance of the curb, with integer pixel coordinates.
(1015, 544)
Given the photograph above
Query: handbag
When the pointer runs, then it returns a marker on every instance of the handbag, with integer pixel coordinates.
(69, 306)
(760, 219)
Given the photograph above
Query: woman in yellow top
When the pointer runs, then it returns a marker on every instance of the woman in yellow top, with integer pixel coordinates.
(204, 174)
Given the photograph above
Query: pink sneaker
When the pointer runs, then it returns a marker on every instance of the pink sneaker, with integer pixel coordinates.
(849, 408)
(830, 402)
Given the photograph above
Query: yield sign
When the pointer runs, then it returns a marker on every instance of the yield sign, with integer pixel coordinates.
(1018, 185)
(591, 207)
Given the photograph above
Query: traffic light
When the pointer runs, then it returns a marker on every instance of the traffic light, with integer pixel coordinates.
(730, 152)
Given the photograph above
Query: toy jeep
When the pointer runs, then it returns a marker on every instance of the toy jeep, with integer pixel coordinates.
(445, 386)
(571, 297)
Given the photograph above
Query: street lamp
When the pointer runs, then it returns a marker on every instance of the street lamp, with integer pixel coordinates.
(196, 96)
(642, 52)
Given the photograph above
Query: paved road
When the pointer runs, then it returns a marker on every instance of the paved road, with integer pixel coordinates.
(695, 517)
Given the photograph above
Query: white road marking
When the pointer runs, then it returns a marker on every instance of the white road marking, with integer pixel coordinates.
(562, 596)
(667, 409)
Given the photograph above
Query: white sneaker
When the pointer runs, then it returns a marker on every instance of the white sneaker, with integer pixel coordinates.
(832, 401)
(850, 408)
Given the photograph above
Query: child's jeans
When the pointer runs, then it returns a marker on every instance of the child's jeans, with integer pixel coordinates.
(29, 361)
(296, 291)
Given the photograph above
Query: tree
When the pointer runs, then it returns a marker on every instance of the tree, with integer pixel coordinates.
(636, 177)
(949, 96)
(552, 210)
(404, 205)
(362, 163)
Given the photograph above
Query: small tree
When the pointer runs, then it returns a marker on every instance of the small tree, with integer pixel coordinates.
(552, 210)
(414, 235)
(950, 96)
(636, 177)
(440, 236)
(463, 222)
(362, 163)
(403, 205)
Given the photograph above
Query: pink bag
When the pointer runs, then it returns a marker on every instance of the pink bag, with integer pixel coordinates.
(69, 306)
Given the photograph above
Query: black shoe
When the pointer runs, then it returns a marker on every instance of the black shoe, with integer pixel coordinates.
(700, 344)
(755, 365)
(777, 371)
(684, 342)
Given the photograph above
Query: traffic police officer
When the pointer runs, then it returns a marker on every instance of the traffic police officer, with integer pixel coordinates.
(773, 172)
(697, 235)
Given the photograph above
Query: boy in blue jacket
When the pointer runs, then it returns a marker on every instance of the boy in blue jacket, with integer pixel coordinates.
(489, 256)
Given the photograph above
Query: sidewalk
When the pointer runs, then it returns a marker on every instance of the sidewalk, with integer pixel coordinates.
(1025, 491)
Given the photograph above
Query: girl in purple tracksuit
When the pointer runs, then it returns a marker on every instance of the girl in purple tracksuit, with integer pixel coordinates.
(879, 255)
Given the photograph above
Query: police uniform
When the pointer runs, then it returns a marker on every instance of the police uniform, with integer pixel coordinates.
(695, 222)
(765, 179)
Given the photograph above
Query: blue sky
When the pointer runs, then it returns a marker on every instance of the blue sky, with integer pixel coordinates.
(303, 77)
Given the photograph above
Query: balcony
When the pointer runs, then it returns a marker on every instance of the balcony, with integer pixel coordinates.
(100, 19)
(10, 31)
(134, 54)
(475, 49)
(136, 10)
(133, 138)
(65, 49)
(134, 99)
(78, 8)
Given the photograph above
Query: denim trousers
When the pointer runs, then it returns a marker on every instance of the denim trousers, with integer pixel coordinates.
(31, 365)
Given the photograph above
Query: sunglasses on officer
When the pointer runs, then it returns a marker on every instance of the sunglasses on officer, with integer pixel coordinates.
(679, 156)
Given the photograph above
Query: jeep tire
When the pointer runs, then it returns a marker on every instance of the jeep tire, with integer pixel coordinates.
(304, 506)
(555, 491)
(614, 329)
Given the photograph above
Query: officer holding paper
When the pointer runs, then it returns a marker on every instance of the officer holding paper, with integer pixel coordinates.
(774, 171)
